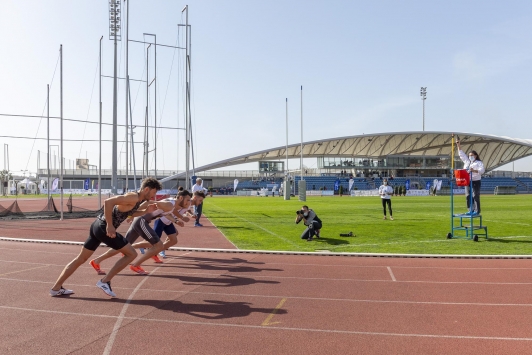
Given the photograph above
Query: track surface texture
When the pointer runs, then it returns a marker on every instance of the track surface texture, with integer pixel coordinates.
(237, 303)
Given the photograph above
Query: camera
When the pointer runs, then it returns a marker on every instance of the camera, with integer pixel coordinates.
(299, 212)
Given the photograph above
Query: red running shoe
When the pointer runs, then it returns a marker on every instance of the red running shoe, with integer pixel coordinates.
(156, 259)
(138, 270)
(96, 267)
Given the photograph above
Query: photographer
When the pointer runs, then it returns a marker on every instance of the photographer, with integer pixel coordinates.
(311, 220)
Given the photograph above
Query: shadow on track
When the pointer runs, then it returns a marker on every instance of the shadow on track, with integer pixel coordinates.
(211, 309)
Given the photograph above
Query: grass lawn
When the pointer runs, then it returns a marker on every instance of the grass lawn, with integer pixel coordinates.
(421, 224)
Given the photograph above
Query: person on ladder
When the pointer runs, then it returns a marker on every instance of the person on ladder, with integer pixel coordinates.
(474, 165)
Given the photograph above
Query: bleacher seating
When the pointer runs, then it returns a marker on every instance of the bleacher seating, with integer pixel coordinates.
(321, 182)
(524, 184)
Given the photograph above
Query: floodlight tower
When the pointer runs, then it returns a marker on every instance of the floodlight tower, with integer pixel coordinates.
(423, 94)
(115, 35)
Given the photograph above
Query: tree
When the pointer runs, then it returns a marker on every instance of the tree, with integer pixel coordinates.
(5, 176)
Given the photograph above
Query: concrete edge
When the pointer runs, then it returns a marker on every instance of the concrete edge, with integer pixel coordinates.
(274, 252)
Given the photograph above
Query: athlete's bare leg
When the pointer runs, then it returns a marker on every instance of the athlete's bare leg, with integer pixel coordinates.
(109, 253)
(82, 258)
(170, 241)
(155, 248)
(129, 255)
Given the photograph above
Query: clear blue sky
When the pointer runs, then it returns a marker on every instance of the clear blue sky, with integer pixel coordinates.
(361, 64)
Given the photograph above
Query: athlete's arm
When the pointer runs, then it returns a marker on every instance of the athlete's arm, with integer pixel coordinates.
(145, 207)
(108, 206)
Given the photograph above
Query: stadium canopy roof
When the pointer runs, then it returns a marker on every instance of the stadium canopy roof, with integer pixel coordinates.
(494, 151)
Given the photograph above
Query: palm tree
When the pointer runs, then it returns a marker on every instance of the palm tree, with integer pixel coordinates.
(5, 176)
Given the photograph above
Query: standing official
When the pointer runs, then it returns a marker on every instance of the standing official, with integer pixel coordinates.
(474, 165)
(198, 187)
(386, 192)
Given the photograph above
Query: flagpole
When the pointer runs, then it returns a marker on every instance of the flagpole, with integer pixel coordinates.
(48, 138)
(287, 136)
(100, 136)
(301, 132)
(61, 100)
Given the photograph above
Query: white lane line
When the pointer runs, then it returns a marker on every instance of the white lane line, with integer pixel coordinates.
(229, 264)
(391, 273)
(122, 315)
(231, 325)
(301, 297)
(273, 277)
(413, 242)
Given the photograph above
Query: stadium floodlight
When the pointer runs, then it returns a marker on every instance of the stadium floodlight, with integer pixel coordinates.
(114, 34)
(423, 94)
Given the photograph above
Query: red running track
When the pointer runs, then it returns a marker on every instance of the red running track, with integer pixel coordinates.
(236, 303)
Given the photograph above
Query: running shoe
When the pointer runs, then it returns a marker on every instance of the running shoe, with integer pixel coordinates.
(142, 251)
(156, 259)
(138, 270)
(96, 267)
(106, 287)
(162, 254)
(391, 218)
(198, 225)
(62, 291)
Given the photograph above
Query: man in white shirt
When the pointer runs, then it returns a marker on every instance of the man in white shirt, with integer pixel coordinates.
(386, 192)
(198, 209)
(474, 165)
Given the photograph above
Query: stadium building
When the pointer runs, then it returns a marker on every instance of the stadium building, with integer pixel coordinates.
(417, 156)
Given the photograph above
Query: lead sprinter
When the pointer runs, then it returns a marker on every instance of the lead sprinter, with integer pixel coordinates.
(140, 227)
(116, 209)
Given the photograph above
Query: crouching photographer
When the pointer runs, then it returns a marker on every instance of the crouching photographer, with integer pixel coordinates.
(311, 220)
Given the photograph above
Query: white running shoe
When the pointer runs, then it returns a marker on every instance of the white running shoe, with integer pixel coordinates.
(162, 254)
(62, 291)
(106, 287)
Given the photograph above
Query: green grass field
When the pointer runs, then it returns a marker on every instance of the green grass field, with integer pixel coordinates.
(420, 227)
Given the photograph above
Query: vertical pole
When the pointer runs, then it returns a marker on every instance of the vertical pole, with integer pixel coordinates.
(127, 87)
(132, 142)
(48, 137)
(187, 108)
(287, 190)
(61, 92)
(146, 135)
(301, 132)
(100, 136)
(155, 135)
(115, 120)
(423, 114)
(286, 137)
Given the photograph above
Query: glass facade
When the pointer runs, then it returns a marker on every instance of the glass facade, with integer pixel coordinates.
(392, 165)
(271, 166)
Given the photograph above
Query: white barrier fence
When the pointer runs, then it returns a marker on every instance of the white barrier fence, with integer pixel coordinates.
(356, 193)
(417, 193)
(80, 191)
(320, 193)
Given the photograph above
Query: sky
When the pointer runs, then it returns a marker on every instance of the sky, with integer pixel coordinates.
(361, 65)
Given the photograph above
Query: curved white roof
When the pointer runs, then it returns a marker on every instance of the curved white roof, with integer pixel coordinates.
(494, 151)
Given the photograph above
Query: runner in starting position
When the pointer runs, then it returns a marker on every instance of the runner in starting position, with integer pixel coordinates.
(116, 210)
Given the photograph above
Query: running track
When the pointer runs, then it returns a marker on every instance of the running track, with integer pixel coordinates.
(245, 303)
